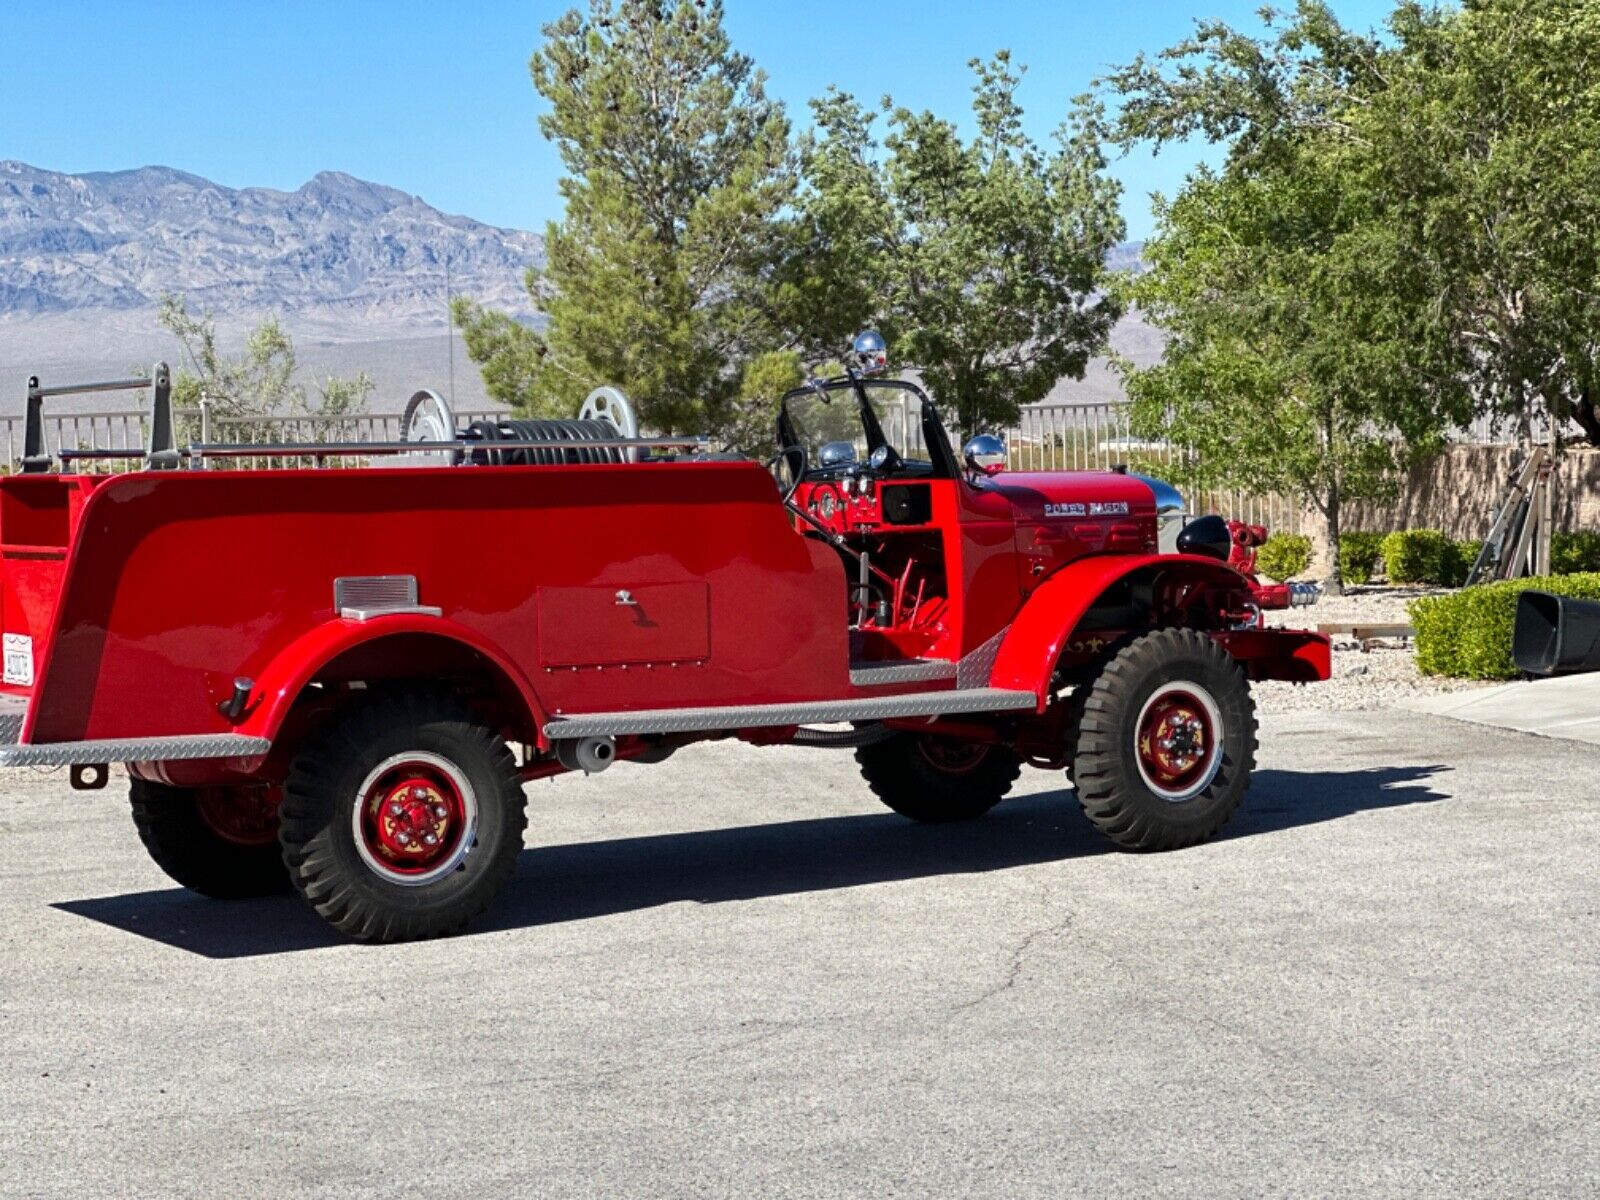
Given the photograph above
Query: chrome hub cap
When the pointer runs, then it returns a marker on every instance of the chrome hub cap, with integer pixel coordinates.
(1178, 741)
(415, 818)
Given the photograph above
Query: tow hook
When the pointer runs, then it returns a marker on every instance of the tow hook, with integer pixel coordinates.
(591, 755)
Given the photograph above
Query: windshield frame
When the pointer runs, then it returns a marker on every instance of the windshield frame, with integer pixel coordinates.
(940, 457)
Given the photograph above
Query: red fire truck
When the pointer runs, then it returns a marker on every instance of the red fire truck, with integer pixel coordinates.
(337, 676)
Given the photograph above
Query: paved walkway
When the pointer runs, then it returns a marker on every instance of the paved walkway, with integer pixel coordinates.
(1568, 707)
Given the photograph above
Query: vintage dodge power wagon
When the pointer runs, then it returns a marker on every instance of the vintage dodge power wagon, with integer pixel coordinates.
(338, 675)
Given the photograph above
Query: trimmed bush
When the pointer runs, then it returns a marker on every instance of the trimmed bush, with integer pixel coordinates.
(1458, 561)
(1574, 553)
(1467, 634)
(1359, 555)
(1416, 556)
(1284, 555)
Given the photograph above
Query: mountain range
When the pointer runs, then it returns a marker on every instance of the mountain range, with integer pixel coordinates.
(354, 270)
(338, 247)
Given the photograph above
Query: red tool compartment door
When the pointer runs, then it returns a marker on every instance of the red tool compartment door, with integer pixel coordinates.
(647, 623)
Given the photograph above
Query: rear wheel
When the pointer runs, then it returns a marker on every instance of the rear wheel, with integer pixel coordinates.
(403, 819)
(938, 779)
(1163, 741)
(220, 842)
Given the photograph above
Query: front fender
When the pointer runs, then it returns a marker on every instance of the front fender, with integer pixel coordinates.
(1052, 614)
(281, 684)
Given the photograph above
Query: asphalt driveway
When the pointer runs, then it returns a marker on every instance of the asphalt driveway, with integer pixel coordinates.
(734, 974)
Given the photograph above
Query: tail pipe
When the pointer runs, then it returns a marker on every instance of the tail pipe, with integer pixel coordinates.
(591, 755)
(1556, 635)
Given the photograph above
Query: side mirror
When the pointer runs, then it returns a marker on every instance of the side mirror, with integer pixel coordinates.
(985, 454)
(836, 454)
(870, 352)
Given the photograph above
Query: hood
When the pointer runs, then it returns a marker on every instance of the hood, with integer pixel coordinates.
(1054, 495)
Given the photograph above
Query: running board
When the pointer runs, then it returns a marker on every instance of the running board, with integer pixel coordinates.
(914, 670)
(149, 749)
(821, 712)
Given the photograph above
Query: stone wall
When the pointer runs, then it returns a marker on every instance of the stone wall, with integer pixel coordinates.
(1457, 492)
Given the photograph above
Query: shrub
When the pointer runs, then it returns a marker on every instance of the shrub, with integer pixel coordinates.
(1416, 556)
(1467, 634)
(1574, 553)
(1359, 555)
(1284, 555)
(1458, 560)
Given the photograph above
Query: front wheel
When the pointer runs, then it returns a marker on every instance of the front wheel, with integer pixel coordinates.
(1163, 741)
(403, 819)
(938, 779)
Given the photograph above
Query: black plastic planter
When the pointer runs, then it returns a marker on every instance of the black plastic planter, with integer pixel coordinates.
(1556, 635)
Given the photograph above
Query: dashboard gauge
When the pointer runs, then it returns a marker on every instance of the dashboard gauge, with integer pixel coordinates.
(827, 505)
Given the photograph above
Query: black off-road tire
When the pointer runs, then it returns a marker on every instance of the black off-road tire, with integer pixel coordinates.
(320, 798)
(904, 772)
(1106, 773)
(194, 854)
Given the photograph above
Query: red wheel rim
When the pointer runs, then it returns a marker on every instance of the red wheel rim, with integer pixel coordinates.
(245, 816)
(952, 757)
(1178, 741)
(415, 818)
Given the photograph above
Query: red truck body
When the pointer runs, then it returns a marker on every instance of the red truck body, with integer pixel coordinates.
(340, 679)
(143, 597)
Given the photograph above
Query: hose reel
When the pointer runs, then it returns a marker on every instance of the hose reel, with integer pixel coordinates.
(607, 414)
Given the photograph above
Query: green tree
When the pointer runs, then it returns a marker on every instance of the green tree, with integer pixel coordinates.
(1306, 352)
(982, 260)
(512, 359)
(678, 167)
(260, 381)
(1489, 138)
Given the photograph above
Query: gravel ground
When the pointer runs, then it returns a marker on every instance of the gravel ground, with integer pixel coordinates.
(1371, 679)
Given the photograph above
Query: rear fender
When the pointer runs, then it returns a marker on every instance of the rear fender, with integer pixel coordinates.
(1170, 589)
(307, 658)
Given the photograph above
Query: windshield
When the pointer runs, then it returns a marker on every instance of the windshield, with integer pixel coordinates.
(818, 421)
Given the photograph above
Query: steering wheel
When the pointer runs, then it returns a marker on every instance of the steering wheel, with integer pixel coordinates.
(796, 474)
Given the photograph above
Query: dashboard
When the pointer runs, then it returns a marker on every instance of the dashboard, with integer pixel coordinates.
(861, 503)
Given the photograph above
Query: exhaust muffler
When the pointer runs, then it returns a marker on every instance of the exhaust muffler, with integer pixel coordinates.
(591, 755)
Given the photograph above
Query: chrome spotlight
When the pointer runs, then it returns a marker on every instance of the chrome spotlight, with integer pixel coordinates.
(870, 352)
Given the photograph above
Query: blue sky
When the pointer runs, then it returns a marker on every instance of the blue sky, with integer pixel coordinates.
(435, 98)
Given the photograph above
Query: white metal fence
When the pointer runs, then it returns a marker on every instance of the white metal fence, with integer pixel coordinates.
(1096, 437)
(126, 429)
(1046, 437)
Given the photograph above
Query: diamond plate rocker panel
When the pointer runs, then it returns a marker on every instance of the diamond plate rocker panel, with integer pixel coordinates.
(751, 716)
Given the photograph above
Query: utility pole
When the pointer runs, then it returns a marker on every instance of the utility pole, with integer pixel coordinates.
(450, 324)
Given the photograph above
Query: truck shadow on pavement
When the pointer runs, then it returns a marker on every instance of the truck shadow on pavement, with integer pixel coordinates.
(582, 880)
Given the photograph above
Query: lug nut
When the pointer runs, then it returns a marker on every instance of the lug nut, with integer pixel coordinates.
(395, 810)
(429, 840)
(403, 838)
(439, 811)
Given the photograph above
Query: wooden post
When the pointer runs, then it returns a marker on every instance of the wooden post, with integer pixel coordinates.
(1547, 508)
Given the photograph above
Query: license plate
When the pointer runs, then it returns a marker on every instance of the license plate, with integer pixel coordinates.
(18, 649)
